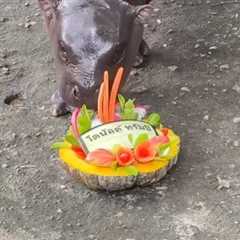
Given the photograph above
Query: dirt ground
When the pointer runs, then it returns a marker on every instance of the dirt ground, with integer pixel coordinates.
(192, 79)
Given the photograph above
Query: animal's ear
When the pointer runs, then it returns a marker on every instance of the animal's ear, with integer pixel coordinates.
(144, 11)
(47, 8)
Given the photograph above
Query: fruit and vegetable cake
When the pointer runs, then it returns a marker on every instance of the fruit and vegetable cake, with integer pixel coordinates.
(119, 146)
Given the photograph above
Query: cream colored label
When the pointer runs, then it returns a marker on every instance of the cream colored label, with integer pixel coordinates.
(108, 135)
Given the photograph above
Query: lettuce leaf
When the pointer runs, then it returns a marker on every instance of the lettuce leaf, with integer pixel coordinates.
(131, 170)
(84, 120)
(153, 119)
(143, 137)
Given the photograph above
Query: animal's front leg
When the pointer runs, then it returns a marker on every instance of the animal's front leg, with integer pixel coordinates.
(59, 108)
(143, 54)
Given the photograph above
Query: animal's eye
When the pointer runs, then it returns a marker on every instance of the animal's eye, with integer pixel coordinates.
(63, 52)
(75, 91)
(118, 53)
(64, 56)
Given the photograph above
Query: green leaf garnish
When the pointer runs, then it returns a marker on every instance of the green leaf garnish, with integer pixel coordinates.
(115, 166)
(129, 104)
(69, 132)
(130, 138)
(131, 170)
(153, 119)
(72, 140)
(163, 150)
(129, 114)
(122, 102)
(59, 145)
(143, 137)
(90, 114)
(84, 120)
(164, 146)
(127, 109)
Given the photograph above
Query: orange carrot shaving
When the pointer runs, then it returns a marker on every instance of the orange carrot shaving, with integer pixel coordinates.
(106, 97)
(106, 103)
(114, 92)
(100, 102)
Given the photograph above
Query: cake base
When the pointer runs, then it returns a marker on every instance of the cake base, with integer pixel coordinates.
(109, 179)
(117, 183)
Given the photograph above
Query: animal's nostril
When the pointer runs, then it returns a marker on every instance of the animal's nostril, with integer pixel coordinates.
(75, 91)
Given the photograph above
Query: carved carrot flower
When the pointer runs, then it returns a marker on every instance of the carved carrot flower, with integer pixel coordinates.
(124, 156)
(145, 152)
(162, 139)
(101, 158)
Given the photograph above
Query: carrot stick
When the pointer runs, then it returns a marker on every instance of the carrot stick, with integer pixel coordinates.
(100, 103)
(106, 97)
(114, 92)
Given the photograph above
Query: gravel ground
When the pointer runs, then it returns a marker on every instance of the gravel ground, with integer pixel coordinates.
(192, 79)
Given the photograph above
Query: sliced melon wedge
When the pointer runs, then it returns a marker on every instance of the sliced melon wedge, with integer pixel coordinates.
(104, 178)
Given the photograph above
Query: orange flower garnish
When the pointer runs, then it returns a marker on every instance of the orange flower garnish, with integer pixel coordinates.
(145, 152)
(100, 157)
(124, 156)
(162, 139)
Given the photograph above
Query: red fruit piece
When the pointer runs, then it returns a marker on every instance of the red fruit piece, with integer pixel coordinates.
(79, 152)
(125, 156)
(145, 152)
(159, 140)
(165, 131)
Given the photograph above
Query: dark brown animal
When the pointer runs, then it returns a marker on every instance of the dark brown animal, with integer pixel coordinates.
(89, 37)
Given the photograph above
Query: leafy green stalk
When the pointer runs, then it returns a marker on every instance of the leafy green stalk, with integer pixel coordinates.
(59, 145)
(131, 170)
(143, 137)
(72, 140)
(130, 138)
(164, 149)
(127, 109)
(84, 120)
(115, 166)
(129, 114)
(153, 119)
(122, 102)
